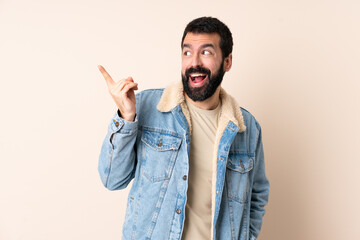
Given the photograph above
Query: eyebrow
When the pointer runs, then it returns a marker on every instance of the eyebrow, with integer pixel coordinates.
(186, 45)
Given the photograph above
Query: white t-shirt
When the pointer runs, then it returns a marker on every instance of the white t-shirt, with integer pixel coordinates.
(198, 205)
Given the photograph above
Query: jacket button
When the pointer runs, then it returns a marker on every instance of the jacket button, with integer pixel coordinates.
(116, 124)
(241, 163)
(185, 177)
(160, 143)
(178, 211)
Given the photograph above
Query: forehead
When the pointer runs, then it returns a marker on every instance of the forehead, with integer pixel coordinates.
(195, 39)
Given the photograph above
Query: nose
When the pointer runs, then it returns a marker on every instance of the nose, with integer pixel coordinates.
(196, 60)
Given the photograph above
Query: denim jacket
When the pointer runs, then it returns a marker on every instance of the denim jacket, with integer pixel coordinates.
(154, 150)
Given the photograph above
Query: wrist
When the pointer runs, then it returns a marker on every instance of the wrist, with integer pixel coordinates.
(129, 117)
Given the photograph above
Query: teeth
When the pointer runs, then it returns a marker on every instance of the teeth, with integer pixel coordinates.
(197, 75)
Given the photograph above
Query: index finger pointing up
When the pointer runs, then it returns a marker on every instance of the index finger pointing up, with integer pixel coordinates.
(109, 80)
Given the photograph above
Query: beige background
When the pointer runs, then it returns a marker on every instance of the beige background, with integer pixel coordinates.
(295, 67)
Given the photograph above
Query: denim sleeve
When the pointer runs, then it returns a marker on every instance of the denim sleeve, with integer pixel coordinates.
(117, 159)
(260, 190)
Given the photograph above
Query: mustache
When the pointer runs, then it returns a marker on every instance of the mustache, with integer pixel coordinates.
(197, 69)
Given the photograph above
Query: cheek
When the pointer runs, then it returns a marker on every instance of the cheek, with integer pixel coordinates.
(212, 66)
(183, 69)
(184, 65)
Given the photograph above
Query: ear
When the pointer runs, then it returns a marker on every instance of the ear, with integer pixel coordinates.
(228, 62)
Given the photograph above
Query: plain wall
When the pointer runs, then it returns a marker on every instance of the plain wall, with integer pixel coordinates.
(295, 67)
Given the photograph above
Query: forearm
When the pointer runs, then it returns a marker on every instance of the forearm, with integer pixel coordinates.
(260, 191)
(259, 200)
(117, 160)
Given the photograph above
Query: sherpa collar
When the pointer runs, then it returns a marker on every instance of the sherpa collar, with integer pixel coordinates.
(173, 95)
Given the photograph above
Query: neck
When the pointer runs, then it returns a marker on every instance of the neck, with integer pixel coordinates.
(208, 104)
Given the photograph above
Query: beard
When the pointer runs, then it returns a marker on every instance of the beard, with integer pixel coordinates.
(208, 89)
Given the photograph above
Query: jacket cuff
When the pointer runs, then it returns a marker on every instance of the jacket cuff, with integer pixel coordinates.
(119, 124)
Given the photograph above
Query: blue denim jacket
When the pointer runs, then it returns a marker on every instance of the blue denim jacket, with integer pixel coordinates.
(154, 150)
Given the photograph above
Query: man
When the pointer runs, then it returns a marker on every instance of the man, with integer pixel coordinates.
(195, 156)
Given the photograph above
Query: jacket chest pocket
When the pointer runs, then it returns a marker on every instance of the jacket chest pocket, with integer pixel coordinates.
(237, 176)
(159, 151)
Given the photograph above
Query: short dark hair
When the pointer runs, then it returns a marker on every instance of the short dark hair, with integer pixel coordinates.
(211, 25)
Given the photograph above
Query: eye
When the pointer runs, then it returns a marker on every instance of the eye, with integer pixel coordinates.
(186, 53)
(206, 52)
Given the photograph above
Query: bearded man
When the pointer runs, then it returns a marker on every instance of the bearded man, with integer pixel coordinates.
(195, 156)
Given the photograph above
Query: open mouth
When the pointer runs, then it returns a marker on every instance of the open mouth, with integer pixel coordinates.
(197, 79)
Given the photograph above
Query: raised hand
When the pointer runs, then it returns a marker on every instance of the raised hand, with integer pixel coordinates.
(123, 93)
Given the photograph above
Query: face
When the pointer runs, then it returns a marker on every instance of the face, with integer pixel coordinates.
(203, 66)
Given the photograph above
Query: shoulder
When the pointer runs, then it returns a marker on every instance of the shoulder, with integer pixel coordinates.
(250, 121)
(149, 95)
(148, 99)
